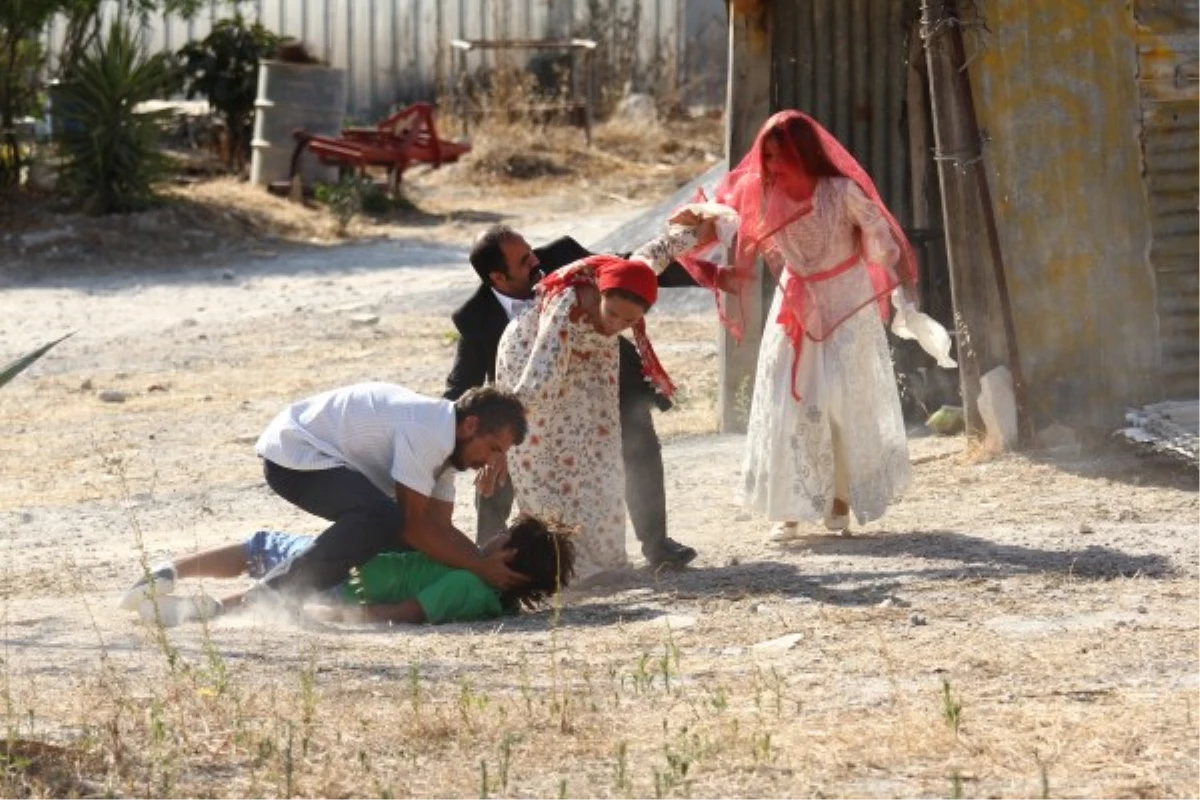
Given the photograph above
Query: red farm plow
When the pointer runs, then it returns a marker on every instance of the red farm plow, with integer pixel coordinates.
(404, 139)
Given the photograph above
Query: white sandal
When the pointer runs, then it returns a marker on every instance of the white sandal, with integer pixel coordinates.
(839, 523)
(784, 532)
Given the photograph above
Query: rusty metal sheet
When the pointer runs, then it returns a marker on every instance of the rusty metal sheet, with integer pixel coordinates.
(1167, 50)
(1171, 428)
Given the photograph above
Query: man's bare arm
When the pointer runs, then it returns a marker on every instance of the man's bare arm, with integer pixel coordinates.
(428, 529)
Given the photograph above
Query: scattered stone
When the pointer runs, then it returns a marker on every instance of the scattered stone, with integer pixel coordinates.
(246, 438)
(156, 387)
(113, 396)
(916, 620)
(732, 561)
(677, 622)
(189, 323)
(39, 238)
(741, 517)
(1056, 435)
(1085, 528)
(639, 108)
(86, 386)
(228, 274)
(779, 645)
(362, 320)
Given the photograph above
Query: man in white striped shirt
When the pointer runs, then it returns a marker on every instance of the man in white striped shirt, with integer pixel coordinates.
(378, 461)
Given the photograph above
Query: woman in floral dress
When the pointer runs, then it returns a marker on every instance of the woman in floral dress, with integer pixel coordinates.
(560, 358)
(826, 436)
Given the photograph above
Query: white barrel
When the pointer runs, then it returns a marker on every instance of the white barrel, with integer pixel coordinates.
(291, 96)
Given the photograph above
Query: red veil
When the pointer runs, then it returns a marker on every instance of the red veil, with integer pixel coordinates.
(806, 151)
(621, 273)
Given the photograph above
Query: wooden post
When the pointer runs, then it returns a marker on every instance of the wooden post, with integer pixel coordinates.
(983, 313)
(981, 344)
(747, 106)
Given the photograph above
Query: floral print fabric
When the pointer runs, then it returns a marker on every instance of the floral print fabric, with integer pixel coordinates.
(569, 467)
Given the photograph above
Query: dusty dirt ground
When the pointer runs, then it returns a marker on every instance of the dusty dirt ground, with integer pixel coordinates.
(1018, 626)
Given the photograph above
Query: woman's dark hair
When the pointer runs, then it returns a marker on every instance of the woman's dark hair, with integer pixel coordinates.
(496, 410)
(545, 554)
(625, 294)
(799, 140)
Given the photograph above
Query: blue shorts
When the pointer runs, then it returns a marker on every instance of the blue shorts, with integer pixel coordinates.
(266, 550)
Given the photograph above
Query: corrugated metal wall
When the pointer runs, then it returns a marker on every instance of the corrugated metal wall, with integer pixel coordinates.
(397, 51)
(843, 63)
(1167, 80)
(1057, 92)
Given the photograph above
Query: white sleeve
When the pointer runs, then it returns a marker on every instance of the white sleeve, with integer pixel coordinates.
(411, 468)
(443, 487)
(879, 245)
(657, 253)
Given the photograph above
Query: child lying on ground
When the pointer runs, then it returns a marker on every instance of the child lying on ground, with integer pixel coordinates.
(396, 587)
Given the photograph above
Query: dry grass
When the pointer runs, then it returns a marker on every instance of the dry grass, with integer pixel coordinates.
(632, 708)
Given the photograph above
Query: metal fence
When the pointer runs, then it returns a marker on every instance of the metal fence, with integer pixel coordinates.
(398, 51)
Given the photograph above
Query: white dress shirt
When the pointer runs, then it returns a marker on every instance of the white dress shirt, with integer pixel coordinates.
(387, 433)
(511, 305)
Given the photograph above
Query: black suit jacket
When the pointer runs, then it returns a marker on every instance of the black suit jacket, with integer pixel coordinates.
(481, 321)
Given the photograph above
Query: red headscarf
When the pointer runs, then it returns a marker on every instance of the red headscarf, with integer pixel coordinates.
(631, 276)
(764, 209)
(609, 272)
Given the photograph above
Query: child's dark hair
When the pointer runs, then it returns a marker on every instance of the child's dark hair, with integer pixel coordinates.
(545, 554)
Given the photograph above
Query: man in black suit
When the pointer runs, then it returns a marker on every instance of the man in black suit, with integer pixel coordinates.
(509, 269)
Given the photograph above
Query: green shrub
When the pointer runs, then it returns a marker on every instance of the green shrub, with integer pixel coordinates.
(224, 68)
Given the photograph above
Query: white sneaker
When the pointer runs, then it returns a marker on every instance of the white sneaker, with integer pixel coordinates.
(172, 611)
(784, 532)
(158, 582)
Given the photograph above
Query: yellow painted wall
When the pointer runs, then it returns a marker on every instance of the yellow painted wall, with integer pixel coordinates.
(1056, 92)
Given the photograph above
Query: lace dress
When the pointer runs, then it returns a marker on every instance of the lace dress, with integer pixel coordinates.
(845, 437)
(569, 467)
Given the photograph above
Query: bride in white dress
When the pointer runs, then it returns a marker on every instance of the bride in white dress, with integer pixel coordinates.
(826, 436)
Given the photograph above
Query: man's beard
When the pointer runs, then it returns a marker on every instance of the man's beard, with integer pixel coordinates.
(535, 277)
(456, 458)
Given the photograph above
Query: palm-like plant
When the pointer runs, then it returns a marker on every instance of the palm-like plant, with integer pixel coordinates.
(112, 156)
(24, 362)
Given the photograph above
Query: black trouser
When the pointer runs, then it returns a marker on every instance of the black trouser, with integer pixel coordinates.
(366, 522)
(645, 495)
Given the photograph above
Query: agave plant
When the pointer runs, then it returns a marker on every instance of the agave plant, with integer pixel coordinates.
(112, 157)
(24, 362)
